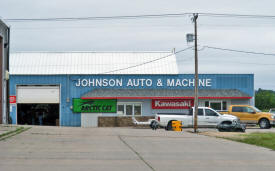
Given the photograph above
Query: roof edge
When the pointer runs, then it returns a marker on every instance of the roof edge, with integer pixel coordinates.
(165, 98)
(2, 22)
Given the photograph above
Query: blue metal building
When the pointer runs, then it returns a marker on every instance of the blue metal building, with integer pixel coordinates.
(39, 79)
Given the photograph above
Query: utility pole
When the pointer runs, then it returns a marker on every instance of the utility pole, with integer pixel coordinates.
(195, 17)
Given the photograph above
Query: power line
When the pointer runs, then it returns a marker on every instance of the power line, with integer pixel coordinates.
(91, 27)
(216, 60)
(240, 51)
(97, 18)
(144, 63)
(138, 17)
(234, 62)
(237, 15)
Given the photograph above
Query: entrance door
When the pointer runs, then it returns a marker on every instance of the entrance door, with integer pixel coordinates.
(38, 105)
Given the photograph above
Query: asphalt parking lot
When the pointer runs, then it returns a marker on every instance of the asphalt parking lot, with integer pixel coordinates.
(68, 149)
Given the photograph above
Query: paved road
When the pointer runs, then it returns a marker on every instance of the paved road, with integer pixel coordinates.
(77, 149)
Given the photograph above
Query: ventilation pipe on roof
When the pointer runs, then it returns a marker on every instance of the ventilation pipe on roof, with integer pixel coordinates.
(174, 50)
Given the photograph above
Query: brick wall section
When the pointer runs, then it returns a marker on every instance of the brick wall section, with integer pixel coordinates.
(120, 121)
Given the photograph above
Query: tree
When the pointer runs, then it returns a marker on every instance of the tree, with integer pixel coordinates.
(264, 99)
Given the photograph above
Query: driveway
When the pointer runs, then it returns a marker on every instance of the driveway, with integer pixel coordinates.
(69, 149)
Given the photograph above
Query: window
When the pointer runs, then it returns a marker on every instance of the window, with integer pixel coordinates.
(209, 112)
(137, 109)
(257, 110)
(224, 105)
(120, 109)
(200, 112)
(237, 109)
(242, 109)
(216, 105)
(129, 109)
(249, 110)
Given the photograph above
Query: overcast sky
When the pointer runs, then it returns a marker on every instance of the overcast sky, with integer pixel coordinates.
(162, 34)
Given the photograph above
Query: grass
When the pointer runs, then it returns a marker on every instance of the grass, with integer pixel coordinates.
(260, 139)
(12, 133)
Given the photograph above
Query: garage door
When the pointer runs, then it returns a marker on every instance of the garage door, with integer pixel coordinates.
(38, 94)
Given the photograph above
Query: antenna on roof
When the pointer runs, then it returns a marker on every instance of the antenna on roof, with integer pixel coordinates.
(174, 50)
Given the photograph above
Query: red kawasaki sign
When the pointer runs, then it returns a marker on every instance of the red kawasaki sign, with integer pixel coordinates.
(172, 103)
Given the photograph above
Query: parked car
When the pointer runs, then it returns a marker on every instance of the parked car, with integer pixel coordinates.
(272, 110)
(207, 117)
(252, 115)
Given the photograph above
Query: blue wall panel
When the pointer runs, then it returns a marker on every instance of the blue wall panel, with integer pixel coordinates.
(69, 88)
(67, 118)
(243, 82)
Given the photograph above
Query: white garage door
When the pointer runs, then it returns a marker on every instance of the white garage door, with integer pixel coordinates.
(38, 94)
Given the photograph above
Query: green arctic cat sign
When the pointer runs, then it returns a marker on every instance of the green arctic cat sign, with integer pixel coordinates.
(94, 106)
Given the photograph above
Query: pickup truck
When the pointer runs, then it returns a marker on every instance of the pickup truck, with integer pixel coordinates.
(207, 117)
(272, 110)
(252, 115)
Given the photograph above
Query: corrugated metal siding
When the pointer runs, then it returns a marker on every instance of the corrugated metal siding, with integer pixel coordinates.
(243, 82)
(92, 63)
(69, 90)
(67, 118)
(219, 81)
(163, 93)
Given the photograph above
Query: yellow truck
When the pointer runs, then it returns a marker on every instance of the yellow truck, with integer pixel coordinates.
(251, 115)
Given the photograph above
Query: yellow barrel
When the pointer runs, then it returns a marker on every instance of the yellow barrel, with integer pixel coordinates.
(176, 126)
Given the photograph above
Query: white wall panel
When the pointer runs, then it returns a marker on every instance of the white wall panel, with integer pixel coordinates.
(89, 119)
(38, 94)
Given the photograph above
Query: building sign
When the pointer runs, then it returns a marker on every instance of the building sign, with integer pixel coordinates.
(94, 106)
(141, 82)
(12, 99)
(172, 103)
